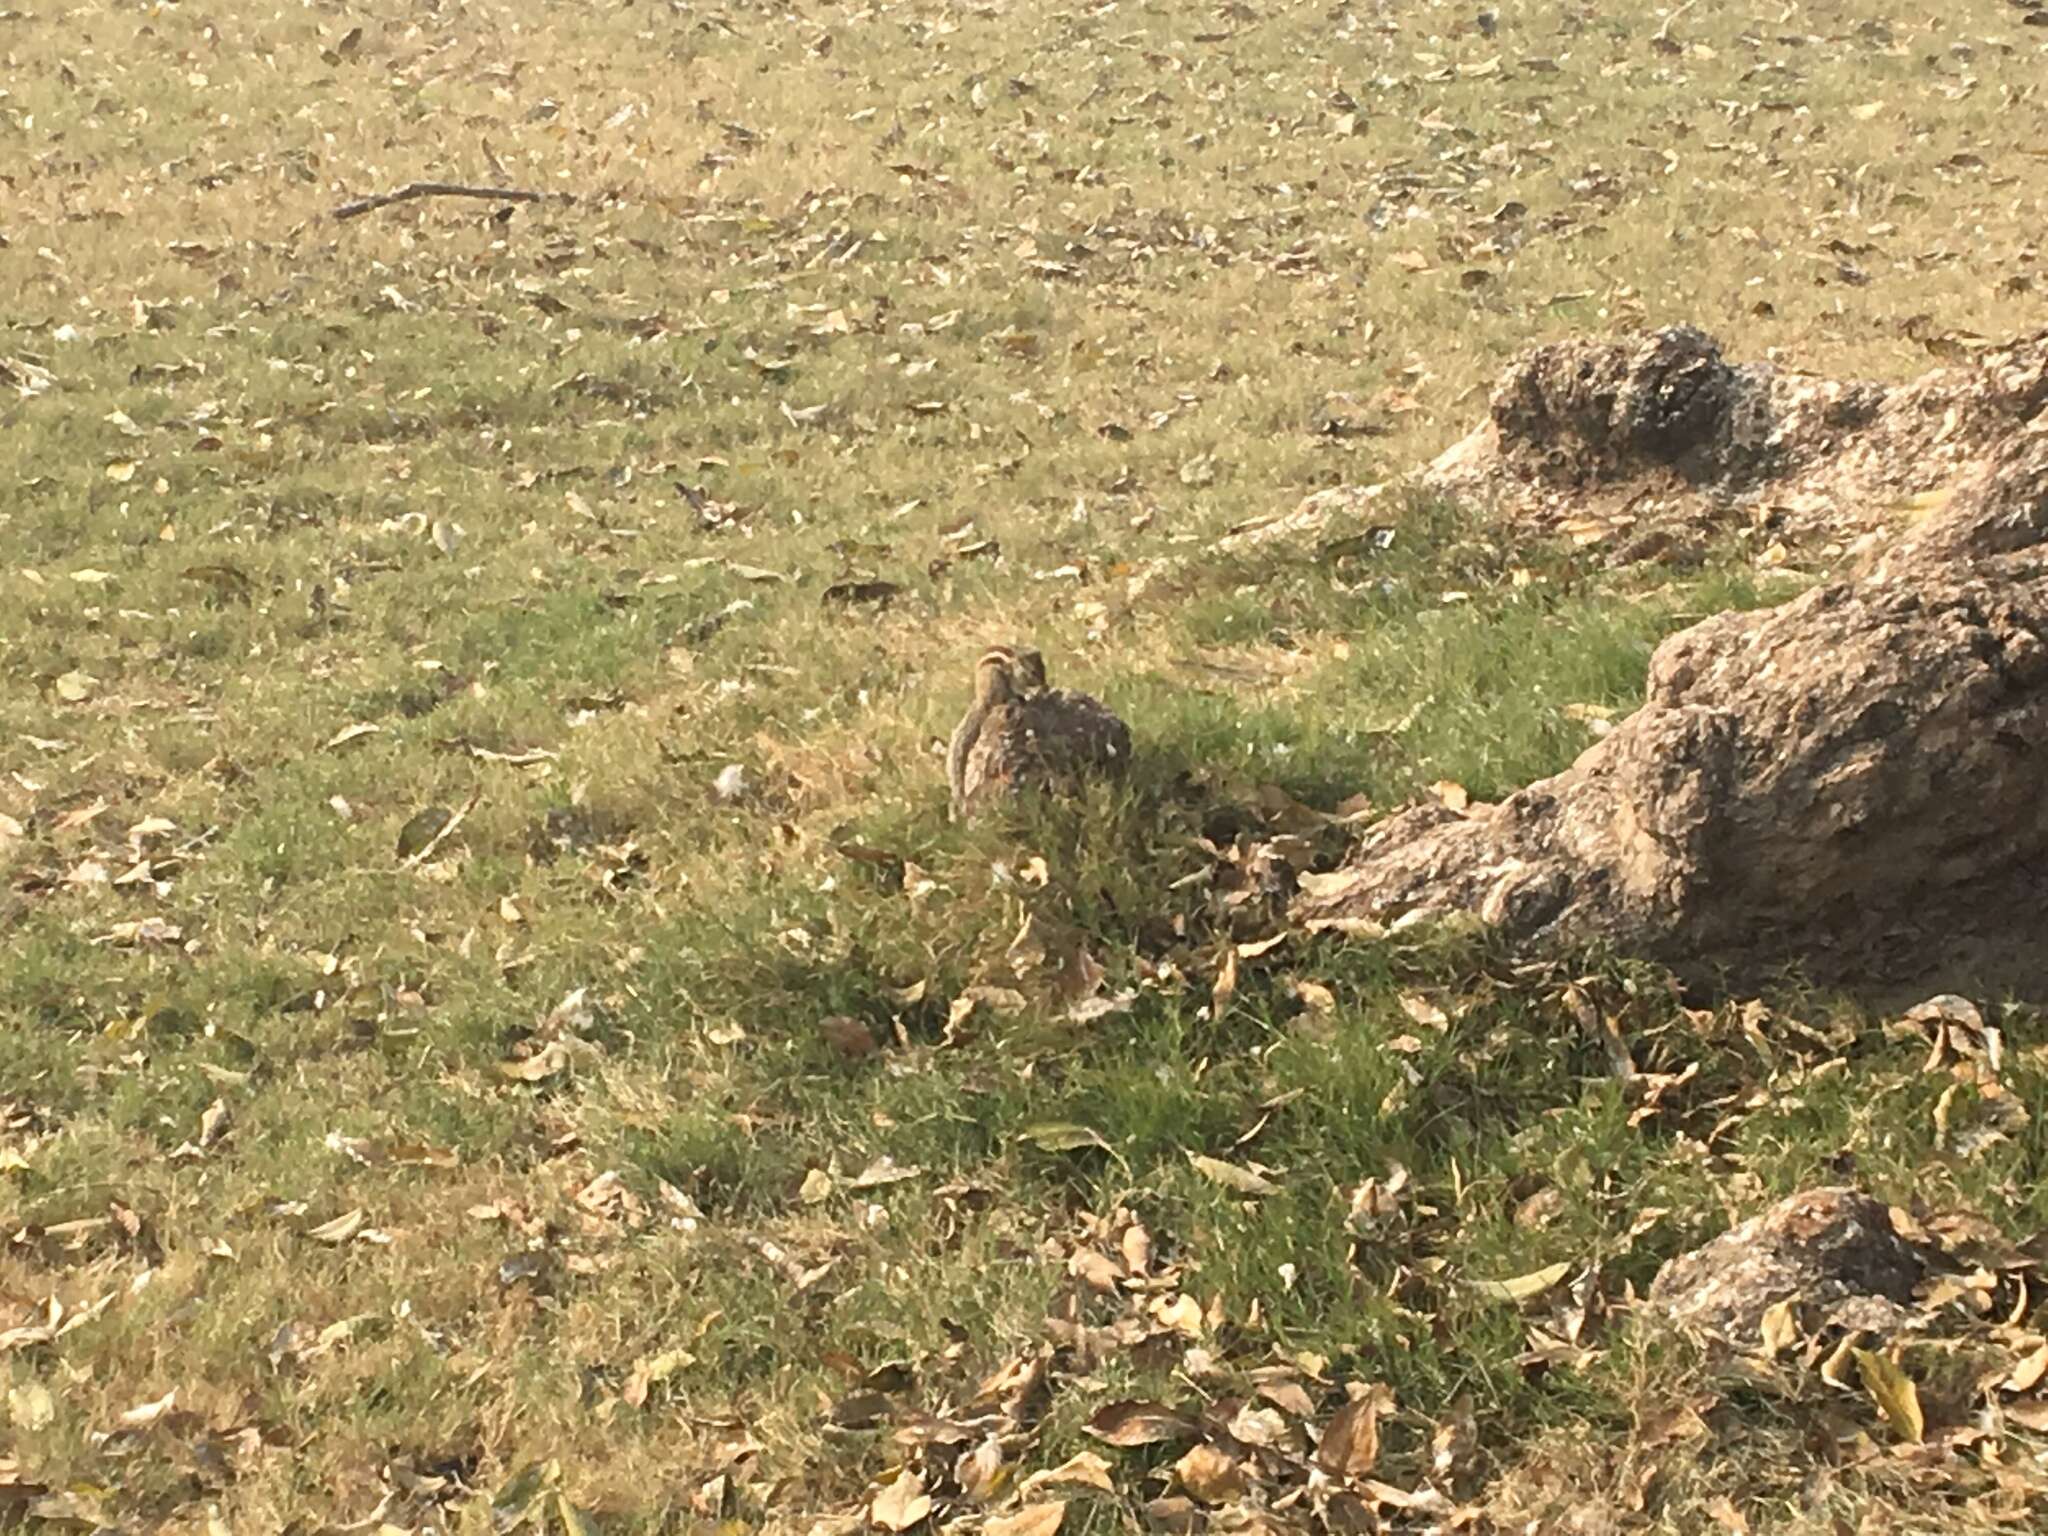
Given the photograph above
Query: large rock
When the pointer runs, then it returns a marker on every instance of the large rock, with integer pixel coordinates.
(1855, 782)
(1833, 1252)
(1633, 443)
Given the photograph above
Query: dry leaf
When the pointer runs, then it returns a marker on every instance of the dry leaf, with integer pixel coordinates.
(1780, 1327)
(1127, 1424)
(1232, 1176)
(1062, 1136)
(339, 1230)
(1522, 1287)
(1454, 1440)
(1350, 1445)
(349, 733)
(848, 1036)
(544, 1063)
(1083, 1467)
(648, 1371)
(1226, 983)
(1893, 1392)
(902, 1504)
(1031, 1520)
(1423, 1011)
(148, 1413)
(1211, 1475)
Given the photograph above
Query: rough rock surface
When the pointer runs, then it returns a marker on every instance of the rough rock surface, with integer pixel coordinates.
(1638, 443)
(1833, 1251)
(1049, 740)
(1855, 782)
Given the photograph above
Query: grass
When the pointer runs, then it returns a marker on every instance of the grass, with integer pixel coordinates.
(1019, 308)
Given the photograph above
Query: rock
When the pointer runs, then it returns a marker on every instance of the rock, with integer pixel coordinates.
(1996, 511)
(1832, 1251)
(1578, 411)
(1855, 782)
(1607, 441)
(1053, 740)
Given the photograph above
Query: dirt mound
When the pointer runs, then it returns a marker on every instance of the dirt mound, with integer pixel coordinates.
(1831, 1252)
(1657, 440)
(1855, 782)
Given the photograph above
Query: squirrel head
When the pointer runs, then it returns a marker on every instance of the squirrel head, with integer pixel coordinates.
(1028, 669)
(995, 676)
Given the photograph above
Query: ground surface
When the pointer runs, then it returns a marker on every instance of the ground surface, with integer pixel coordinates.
(617, 1155)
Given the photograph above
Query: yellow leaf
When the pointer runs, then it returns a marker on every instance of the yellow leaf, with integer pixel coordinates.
(1522, 1287)
(1780, 1328)
(1893, 1392)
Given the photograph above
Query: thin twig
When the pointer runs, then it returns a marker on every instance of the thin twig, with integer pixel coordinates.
(1663, 33)
(411, 190)
(413, 861)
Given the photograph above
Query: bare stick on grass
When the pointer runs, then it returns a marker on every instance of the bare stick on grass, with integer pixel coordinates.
(411, 190)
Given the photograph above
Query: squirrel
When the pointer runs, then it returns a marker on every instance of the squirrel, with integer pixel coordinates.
(1019, 732)
(995, 684)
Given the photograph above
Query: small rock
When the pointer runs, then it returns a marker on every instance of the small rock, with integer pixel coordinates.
(1832, 1251)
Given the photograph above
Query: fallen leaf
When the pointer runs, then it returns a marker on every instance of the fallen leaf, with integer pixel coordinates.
(1893, 1392)
(1212, 1476)
(2027, 1374)
(1226, 983)
(1780, 1327)
(1062, 1136)
(1031, 1520)
(1232, 1176)
(885, 1170)
(1350, 1446)
(349, 733)
(339, 1230)
(1452, 1443)
(902, 1503)
(544, 1063)
(148, 1413)
(1083, 1467)
(1128, 1424)
(646, 1372)
(1522, 1287)
(1423, 1011)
